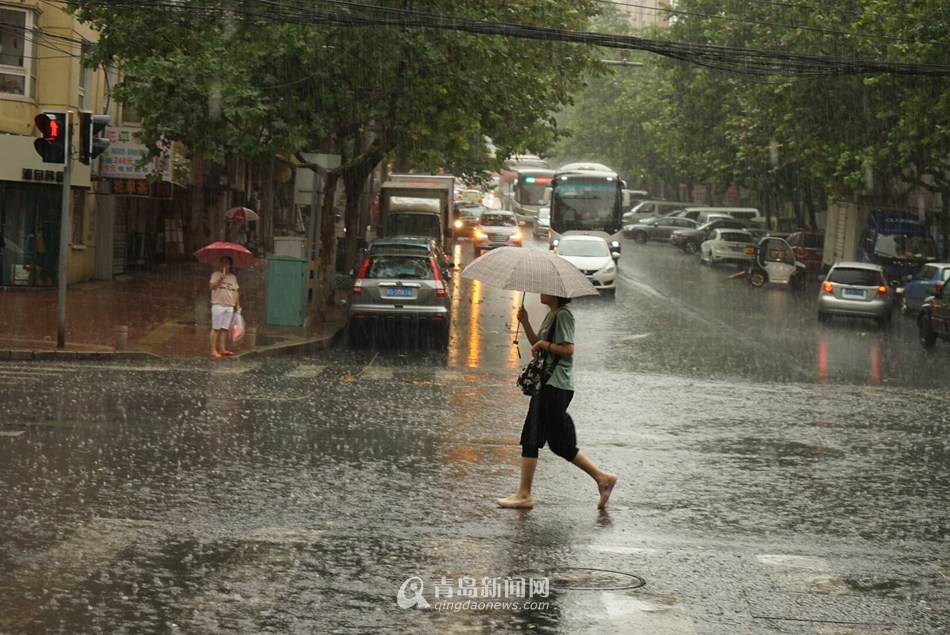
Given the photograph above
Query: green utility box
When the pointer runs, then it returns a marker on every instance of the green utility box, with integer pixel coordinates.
(285, 303)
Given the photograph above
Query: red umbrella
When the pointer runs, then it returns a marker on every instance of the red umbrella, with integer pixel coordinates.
(238, 214)
(213, 253)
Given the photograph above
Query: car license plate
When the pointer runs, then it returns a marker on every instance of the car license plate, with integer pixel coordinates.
(736, 248)
(398, 292)
(854, 293)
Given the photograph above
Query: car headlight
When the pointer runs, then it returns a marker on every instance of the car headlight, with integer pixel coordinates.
(458, 223)
(611, 268)
(480, 234)
(516, 236)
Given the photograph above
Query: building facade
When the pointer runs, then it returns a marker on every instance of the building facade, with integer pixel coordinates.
(40, 52)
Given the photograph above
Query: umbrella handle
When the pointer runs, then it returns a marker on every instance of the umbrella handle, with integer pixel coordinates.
(518, 328)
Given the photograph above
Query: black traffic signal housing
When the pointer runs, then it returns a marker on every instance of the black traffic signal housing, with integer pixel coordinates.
(91, 145)
(53, 144)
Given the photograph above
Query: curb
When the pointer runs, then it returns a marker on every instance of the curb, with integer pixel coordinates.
(300, 347)
(73, 356)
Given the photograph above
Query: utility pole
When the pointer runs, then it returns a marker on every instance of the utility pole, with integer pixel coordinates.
(64, 245)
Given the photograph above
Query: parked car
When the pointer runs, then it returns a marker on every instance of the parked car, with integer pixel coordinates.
(542, 223)
(927, 282)
(467, 220)
(933, 321)
(657, 228)
(399, 291)
(593, 256)
(775, 263)
(645, 210)
(742, 213)
(497, 228)
(727, 245)
(808, 247)
(689, 240)
(856, 289)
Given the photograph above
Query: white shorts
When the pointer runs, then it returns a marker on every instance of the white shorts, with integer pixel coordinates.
(221, 316)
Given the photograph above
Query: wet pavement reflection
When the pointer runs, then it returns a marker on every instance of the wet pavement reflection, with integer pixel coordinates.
(776, 476)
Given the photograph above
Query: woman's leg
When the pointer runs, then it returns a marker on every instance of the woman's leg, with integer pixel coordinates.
(223, 341)
(605, 480)
(214, 343)
(521, 499)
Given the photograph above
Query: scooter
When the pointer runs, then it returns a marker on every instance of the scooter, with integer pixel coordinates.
(774, 263)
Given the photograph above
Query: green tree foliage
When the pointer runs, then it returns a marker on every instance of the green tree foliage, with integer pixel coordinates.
(258, 79)
(791, 140)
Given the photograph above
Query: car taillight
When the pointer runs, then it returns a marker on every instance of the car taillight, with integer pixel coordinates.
(882, 290)
(439, 283)
(826, 287)
(937, 288)
(358, 283)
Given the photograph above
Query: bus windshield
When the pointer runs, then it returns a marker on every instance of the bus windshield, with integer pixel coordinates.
(530, 190)
(586, 204)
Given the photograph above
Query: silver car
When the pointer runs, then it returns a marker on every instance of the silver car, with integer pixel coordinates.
(399, 293)
(497, 228)
(856, 289)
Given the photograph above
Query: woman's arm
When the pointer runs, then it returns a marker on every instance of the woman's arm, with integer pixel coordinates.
(561, 350)
(526, 323)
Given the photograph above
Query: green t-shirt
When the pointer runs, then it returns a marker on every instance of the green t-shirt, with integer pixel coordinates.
(563, 376)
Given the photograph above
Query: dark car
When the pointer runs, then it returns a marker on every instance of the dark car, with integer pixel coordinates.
(657, 229)
(808, 247)
(689, 240)
(927, 282)
(933, 321)
(400, 291)
(466, 220)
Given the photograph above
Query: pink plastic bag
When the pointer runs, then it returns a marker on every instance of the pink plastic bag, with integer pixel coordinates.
(237, 326)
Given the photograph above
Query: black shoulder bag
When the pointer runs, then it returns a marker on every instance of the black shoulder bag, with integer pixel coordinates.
(534, 376)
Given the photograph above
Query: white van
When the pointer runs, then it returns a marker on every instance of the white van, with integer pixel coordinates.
(652, 209)
(743, 213)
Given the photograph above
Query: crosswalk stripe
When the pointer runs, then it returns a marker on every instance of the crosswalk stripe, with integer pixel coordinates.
(98, 541)
(802, 574)
(306, 371)
(254, 579)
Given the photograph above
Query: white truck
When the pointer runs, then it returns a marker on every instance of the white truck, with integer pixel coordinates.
(417, 205)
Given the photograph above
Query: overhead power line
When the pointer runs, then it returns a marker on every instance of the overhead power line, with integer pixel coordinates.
(732, 60)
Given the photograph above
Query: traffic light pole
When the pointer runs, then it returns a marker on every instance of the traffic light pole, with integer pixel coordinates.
(63, 255)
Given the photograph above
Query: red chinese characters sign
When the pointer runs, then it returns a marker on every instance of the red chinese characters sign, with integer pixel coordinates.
(140, 187)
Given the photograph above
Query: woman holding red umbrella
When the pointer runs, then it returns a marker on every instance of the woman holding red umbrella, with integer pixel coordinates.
(225, 300)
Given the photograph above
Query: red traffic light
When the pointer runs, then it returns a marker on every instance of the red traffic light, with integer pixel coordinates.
(53, 146)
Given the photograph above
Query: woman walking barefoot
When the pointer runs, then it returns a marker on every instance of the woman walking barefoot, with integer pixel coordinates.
(547, 420)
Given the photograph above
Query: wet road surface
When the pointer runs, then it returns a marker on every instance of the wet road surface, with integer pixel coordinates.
(776, 476)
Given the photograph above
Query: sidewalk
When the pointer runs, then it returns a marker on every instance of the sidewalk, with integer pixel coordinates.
(166, 310)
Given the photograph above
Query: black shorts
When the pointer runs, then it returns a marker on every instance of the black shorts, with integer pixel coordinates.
(548, 423)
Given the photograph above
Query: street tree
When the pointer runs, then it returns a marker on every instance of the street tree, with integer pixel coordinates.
(257, 79)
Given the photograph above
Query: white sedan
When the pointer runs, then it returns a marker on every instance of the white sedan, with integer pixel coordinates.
(593, 257)
(728, 245)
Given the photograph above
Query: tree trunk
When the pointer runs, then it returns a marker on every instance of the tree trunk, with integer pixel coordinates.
(326, 269)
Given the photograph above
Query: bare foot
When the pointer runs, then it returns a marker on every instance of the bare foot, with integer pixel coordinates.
(516, 502)
(606, 488)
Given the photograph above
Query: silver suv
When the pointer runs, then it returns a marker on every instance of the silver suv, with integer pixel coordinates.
(399, 292)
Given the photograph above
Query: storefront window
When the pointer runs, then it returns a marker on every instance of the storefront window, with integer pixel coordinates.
(14, 51)
(29, 220)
